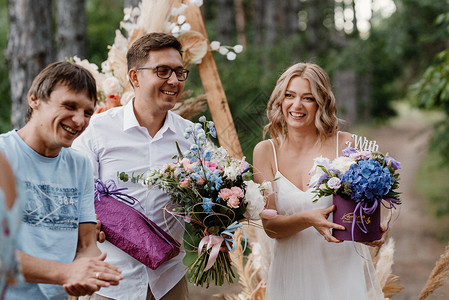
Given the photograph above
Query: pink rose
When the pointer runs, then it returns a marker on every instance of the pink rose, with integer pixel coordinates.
(225, 194)
(237, 192)
(211, 165)
(201, 181)
(186, 164)
(185, 183)
(233, 202)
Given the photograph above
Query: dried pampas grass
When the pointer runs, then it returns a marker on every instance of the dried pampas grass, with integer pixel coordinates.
(190, 107)
(437, 277)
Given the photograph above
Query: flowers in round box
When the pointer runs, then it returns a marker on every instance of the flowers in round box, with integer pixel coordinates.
(213, 192)
(359, 181)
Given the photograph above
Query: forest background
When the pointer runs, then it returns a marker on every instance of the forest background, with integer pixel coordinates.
(377, 52)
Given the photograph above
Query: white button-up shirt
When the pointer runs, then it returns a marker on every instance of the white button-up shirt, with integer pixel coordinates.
(115, 142)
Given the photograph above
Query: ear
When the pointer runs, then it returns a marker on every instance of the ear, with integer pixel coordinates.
(132, 74)
(33, 101)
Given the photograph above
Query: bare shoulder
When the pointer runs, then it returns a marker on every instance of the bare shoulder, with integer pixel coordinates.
(263, 161)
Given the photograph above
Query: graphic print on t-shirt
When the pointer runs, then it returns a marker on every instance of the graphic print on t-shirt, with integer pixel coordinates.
(51, 206)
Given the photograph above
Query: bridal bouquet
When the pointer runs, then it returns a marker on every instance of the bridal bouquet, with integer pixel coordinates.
(213, 192)
(365, 178)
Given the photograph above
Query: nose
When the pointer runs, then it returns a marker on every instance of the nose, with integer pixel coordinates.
(173, 79)
(79, 118)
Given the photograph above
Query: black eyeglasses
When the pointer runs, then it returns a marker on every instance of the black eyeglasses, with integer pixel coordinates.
(165, 72)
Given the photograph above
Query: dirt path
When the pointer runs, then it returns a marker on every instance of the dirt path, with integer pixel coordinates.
(415, 231)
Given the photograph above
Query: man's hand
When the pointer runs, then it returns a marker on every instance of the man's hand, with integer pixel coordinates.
(101, 237)
(86, 275)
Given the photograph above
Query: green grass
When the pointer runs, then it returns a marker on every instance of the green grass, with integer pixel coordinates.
(432, 184)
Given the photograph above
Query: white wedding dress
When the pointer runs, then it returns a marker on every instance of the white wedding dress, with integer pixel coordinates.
(305, 266)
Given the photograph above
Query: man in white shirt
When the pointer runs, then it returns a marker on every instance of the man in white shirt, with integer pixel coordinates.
(133, 139)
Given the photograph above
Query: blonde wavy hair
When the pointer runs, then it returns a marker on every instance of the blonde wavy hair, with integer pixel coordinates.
(326, 121)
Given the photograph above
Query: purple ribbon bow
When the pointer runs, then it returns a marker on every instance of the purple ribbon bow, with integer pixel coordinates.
(109, 188)
(365, 207)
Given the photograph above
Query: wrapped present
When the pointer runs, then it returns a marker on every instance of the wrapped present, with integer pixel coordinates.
(129, 229)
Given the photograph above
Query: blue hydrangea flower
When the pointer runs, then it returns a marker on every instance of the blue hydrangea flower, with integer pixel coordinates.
(202, 119)
(369, 180)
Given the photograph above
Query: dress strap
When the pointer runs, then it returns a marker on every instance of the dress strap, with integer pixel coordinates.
(275, 156)
(338, 134)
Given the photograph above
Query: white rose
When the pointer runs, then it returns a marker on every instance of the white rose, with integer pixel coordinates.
(254, 200)
(231, 172)
(342, 163)
(111, 86)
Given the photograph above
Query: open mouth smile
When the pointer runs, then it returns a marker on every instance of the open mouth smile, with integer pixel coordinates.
(297, 115)
(69, 130)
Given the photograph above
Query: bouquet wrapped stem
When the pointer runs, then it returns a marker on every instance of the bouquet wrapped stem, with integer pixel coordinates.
(220, 271)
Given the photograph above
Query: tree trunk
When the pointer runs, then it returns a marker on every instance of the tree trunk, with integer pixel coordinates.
(257, 17)
(344, 83)
(240, 22)
(71, 33)
(30, 49)
(291, 22)
(225, 21)
(270, 23)
(313, 28)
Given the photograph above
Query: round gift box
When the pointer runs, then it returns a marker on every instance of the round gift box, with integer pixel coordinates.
(344, 214)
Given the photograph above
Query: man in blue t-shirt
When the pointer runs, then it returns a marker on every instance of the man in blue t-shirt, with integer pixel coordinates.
(57, 246)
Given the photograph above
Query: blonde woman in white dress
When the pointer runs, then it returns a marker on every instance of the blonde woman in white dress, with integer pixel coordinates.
(307, 261)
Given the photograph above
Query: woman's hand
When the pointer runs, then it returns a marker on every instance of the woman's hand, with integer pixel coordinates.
(319, 219)
(380, 242)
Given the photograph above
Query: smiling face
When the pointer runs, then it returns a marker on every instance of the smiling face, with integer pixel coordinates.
(59, 120)
(299, 106)
(155, 94)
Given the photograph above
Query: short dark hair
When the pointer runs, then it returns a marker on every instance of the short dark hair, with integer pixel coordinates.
(140, 50)
(75, 77)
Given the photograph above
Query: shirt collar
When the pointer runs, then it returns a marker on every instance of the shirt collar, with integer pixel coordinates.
(130, 120)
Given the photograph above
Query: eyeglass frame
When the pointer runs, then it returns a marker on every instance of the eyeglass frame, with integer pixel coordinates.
(184, 71)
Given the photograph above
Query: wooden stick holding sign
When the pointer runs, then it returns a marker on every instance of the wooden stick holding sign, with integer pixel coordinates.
(216, 97)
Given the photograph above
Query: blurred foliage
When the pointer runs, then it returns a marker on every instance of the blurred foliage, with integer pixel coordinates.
(5, 103)
(103, 19)
(432, 93)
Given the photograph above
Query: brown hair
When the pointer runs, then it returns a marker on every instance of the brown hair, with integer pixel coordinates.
(75, 77)
(139, 52)
(326, 121)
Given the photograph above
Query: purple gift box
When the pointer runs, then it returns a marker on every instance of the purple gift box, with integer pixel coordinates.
(344, 215)
(134, 233)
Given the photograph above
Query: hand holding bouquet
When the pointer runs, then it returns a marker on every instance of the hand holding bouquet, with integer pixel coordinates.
(365, 178)
(213, 192)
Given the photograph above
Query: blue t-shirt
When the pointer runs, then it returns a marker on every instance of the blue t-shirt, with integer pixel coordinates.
(59, 194)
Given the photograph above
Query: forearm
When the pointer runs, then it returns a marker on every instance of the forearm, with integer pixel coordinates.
(87, 242)
(38, 270)
(284, 226)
